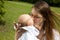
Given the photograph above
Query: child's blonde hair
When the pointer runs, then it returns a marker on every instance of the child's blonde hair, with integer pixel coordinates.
(24, 18)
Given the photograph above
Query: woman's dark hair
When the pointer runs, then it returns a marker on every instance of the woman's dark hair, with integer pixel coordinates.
(44, 9)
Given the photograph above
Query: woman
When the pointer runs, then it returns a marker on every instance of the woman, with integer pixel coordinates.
(44, 22)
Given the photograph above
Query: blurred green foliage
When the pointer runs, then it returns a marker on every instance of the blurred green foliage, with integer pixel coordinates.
(2, 12)
(50, 2)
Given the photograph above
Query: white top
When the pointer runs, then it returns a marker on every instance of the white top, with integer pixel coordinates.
(31, 33)
(56, 35)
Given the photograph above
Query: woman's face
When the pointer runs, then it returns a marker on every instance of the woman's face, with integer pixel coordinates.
(37, 17)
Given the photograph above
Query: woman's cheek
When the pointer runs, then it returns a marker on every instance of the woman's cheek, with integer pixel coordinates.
(36, 20)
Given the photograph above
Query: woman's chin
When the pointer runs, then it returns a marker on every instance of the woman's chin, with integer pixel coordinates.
(36, 23)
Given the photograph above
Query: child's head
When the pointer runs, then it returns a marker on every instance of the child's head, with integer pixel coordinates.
(25, 19)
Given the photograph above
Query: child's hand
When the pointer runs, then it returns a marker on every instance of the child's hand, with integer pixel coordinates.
(16, 25)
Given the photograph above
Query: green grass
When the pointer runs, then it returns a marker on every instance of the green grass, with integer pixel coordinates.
(13, 10)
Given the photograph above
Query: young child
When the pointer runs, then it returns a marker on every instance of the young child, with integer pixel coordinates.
(26, 25)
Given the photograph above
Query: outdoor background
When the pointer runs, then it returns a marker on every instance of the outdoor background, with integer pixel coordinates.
(11, 11)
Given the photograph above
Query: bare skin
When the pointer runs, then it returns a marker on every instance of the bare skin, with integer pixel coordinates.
(24, 19)
(38, 19)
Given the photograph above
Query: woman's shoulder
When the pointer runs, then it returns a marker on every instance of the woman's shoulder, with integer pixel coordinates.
(56, 35)
(55, 32)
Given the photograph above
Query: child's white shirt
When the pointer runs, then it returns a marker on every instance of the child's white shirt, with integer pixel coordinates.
(30, 34)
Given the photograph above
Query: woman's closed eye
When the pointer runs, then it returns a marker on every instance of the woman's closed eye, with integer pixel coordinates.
(36, 17)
